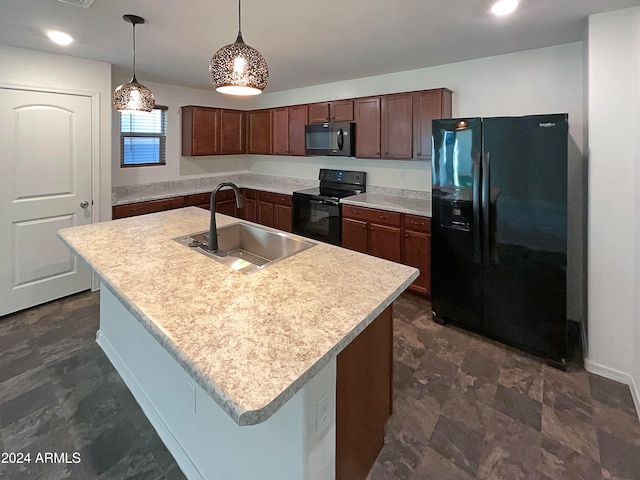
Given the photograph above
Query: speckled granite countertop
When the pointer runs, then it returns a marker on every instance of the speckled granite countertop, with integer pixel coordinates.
(156, 191)
(394, 203)
(251, 341)
(405, 201)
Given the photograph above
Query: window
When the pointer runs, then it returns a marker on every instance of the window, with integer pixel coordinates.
(143, 137)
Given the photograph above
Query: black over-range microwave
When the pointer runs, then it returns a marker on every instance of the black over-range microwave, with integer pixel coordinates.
(337, 139)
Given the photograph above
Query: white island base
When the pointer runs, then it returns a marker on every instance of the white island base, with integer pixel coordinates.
(298, 442)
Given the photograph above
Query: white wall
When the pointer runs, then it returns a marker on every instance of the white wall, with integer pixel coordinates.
(547, 80)
(49, 72)
(614, 198)
(177, 167)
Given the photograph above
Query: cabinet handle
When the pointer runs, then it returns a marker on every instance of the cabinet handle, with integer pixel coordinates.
(406, 235)
(372, 228)
(416, 223)
(355, 213)
(364, 227)
(419, 154)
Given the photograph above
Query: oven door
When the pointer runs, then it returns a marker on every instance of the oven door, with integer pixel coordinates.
(316, 218)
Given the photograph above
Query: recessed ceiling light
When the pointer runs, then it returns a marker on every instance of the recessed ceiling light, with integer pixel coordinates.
(504, 7)
(60, 38)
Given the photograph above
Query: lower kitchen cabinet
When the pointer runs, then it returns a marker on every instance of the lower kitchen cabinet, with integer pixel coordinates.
(274, 210)
(416, 250)
(249, 210)
(226, 202)
(152, 206)
(267, 208)
(379, 230)
(398, 237)
(202, 200)
(354, 234)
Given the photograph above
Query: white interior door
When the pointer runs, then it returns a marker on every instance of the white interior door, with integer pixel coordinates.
(45, 185)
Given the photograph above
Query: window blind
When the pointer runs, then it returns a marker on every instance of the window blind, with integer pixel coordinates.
(143, 137)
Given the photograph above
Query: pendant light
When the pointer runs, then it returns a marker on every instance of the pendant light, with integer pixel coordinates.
(237, 68)
(133, 96)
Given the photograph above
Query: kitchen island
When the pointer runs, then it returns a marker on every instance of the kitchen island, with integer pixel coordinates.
(246, 376)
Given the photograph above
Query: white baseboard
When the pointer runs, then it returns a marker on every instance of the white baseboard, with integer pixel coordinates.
(618, 376)
(182, 459)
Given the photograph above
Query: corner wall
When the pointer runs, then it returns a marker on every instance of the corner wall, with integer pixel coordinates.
(614, 198)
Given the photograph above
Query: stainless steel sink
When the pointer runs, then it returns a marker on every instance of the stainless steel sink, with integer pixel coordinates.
(247, 248)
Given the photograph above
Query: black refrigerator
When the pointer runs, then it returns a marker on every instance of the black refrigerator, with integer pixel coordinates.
(499, 229)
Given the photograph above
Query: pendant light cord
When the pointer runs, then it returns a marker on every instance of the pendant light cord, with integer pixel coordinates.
(239, 17)
(134, 51)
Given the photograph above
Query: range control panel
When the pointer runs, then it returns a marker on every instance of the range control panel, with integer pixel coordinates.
(342, 176)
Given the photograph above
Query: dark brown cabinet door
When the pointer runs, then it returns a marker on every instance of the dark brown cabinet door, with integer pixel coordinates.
(428, 105)
(249, 211)
(141, 208)
(226, 202)
(265, 213)
(259, 132)
(354, 234)
(227, 207)
(282, 217)
(231, 132)
(200, 131)
(367, 118)
(397, 126)
(341, 110)
(319, 112)
(417, 253)
(384, 242)
(280, 131)
(298, 115)
(364, 391)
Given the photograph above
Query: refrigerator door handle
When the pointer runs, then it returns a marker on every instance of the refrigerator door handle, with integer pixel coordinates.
(477, 241)
(486, 206)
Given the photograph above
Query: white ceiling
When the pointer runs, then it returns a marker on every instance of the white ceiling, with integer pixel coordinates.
(305, 42)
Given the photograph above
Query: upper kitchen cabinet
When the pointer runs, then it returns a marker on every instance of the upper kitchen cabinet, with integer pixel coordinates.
(280, 131)
(287, 130)
(335, 111)
(259, 132)
(232, 132)
(298, 117)
(366, 113)
(396, 126)
(200, 131)
(428, 105)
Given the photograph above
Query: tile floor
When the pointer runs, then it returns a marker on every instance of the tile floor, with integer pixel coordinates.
(464, 408)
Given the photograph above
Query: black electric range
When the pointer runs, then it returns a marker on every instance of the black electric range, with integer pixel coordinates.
(316, 211)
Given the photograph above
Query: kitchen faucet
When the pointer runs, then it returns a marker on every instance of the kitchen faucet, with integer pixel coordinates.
(212, 244)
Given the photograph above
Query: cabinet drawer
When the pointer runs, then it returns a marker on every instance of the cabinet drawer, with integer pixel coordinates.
(223, 195)
(250, 194)
(417, 223)
(371, 215)
(198, 199)
(281, 199)
(132, 209)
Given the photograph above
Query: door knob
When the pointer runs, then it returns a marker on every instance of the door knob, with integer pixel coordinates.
(84, 204)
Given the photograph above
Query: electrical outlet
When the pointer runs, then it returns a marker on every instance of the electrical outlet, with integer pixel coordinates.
(323, 414)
